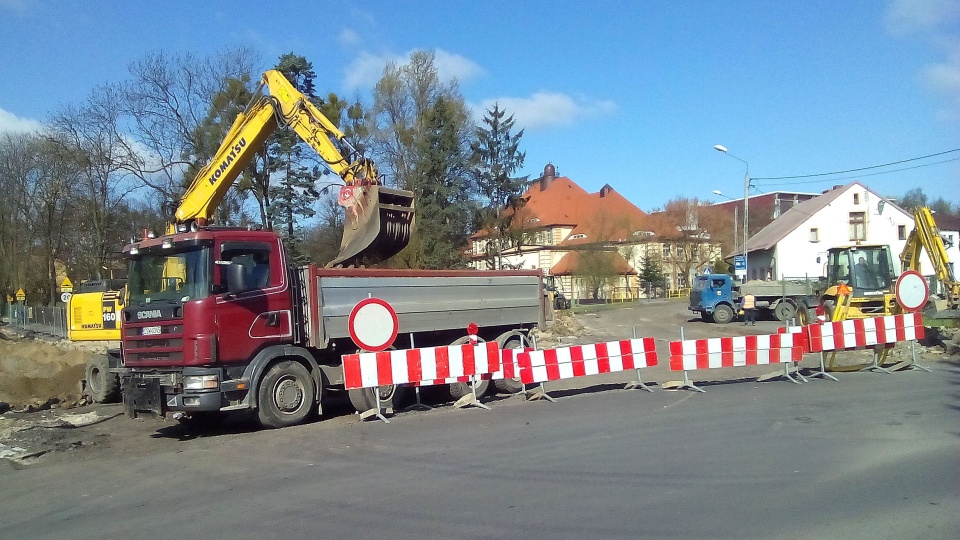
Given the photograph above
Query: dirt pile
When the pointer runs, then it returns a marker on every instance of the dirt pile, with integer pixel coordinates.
(565, 325)
(35, 374)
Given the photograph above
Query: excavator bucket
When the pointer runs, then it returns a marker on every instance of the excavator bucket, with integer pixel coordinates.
(377, 225)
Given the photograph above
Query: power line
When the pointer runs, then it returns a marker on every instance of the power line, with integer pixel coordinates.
(856, 170)
(859, 175)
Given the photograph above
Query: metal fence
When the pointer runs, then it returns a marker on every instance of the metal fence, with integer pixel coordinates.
(46, 320)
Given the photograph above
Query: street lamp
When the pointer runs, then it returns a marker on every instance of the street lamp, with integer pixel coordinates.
(736, 219)
(746, 208)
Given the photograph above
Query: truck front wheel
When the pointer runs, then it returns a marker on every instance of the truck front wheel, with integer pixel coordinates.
(285, 396)
(722, 314)
(102, 386)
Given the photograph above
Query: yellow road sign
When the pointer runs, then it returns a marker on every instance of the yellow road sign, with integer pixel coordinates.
(21, 296)
(66, 285)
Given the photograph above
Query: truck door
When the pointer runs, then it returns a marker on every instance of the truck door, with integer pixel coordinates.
(259, 315)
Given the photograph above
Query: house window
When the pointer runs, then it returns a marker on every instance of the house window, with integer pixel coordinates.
(902, 232)
(666, 250)
(858, 227)
(814, 234)
(856, 198)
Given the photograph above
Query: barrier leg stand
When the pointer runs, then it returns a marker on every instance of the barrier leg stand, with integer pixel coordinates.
(822, 372)
(633, 385)
(418, 406)
(777, 374)
(471, 399)
(912, 364)
(378, 411)
(875, 366)
(685, 384)
(796, 371)
(541, 393)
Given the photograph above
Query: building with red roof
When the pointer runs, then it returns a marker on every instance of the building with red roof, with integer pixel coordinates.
(557, 228)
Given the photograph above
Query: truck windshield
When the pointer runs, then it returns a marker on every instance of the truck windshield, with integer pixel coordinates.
(700, 283)
(170, 276)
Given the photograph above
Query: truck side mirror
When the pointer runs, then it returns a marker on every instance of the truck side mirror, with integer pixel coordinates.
(236, 278)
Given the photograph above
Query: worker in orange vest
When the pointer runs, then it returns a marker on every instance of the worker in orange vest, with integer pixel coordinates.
(749, 306)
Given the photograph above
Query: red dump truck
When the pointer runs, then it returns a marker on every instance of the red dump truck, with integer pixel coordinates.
(216, 321)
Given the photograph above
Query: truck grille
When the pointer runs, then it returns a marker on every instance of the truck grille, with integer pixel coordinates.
(152, 344)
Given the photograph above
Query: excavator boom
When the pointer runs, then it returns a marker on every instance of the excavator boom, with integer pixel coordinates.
(378, 219)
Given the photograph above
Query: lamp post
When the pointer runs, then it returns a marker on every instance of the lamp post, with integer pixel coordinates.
(746, 208)
(736, 219)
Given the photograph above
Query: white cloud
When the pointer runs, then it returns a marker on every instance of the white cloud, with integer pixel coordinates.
(945, 79)
(17, 6)
(367, 68)
(348, 37)
(453, 66)
(12, 123)
(909, 16)
(544, 110)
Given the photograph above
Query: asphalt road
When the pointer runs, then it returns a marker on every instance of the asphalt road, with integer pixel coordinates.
(871, 456)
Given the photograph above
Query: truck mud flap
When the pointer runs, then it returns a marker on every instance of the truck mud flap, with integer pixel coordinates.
(143, 397)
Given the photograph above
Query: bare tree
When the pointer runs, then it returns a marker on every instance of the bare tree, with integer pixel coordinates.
(166, 101)
(90, 136)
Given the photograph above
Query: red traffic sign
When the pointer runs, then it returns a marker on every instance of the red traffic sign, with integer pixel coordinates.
(912, 291)
(373, 324)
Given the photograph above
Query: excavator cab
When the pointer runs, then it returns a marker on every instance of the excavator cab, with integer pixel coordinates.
(377, 226)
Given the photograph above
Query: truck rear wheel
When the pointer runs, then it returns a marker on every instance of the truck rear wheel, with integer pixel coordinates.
(510, 386)
(722, 314)
(784, 311)
(102, 386)
(364, 399)
(460, 389)
(285, 395)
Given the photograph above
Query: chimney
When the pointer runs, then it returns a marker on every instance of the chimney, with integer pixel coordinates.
(549, 173)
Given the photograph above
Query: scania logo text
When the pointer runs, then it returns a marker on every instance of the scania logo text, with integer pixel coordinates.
(149, 314)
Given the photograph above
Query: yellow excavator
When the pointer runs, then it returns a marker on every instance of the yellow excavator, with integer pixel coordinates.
(378, 219)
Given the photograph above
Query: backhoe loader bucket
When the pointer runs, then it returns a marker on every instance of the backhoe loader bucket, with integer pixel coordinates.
(377, 225)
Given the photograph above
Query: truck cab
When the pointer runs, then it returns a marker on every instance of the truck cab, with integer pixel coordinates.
(201, 305)
(714, 297)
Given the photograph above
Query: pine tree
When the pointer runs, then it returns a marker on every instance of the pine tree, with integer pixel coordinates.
(441, 189)
(496, 156)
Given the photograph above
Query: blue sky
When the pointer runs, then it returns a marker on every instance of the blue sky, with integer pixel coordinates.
(634, 94)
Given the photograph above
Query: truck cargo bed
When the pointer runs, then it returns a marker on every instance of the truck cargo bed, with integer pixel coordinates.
(424, 300)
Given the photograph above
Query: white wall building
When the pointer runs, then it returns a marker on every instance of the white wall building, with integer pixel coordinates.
(795, 244)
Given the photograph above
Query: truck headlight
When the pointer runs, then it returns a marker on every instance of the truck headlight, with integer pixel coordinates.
(200, 382)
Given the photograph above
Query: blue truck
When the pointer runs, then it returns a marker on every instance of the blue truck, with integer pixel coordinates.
(716, 297)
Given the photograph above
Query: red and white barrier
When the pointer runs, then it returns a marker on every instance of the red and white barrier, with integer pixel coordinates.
(582, 360)
(851, 334)
(368, 370)
(735, 351)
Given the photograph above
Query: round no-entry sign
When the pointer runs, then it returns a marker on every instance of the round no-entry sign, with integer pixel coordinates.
(912, 292)
(373, 324)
